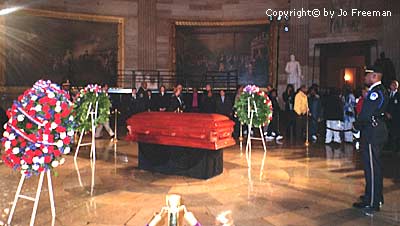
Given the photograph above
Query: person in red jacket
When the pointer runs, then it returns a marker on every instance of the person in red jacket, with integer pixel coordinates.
(360, 101)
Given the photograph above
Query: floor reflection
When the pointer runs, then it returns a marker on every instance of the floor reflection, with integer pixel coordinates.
(314, 186)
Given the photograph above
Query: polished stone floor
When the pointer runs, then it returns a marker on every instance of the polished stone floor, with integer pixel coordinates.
(299, 186)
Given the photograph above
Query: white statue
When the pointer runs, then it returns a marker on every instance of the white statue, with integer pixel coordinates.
(294, 72)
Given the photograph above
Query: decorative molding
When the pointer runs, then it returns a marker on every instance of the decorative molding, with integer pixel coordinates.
(221, 23)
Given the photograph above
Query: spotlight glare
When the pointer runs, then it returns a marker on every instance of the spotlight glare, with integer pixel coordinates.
(279, 18)
(8, 10)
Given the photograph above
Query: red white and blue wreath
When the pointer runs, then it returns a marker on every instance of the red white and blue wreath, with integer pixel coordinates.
(40, 129)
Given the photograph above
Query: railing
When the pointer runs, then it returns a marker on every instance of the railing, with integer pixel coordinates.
(227, 80)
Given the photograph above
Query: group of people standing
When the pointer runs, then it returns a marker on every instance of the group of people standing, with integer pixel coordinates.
(143, 99)
(339, 109)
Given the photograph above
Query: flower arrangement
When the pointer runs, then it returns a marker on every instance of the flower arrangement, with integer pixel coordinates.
(86, 98)
(252, 99)
(40, 129)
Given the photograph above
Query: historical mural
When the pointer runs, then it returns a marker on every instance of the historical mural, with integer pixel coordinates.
(241, 49)
(58, 49)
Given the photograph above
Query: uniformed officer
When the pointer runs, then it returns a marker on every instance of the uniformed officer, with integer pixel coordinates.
(373, 136)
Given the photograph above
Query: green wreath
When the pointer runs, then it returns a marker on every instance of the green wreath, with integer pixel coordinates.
(254, 99)
(88, 97)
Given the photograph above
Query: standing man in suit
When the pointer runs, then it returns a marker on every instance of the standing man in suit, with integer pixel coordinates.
(133, 103)
(373, 136)
(393, 115)
(176, 103)
(162, 100)
(224, 104)
(142, 92)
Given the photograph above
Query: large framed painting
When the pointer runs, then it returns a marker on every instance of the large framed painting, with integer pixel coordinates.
(39, 44)
(244, 48)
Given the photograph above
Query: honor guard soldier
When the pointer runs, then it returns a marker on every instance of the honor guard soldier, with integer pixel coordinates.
(373, 136)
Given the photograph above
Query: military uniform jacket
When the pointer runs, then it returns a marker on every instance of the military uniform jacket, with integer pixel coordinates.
(374, 106)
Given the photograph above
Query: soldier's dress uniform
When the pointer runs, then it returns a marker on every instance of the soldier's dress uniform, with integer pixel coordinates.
(374, 134)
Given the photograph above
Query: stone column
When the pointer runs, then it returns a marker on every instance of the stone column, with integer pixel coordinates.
(147, 37)
(299, 32)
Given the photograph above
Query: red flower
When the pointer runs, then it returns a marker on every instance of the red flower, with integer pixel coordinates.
(45, 108)
(47, 159)
(41, 169)
(29, 125)
(52, 102)
(65, 112)
(38, 153)
(57, 153)
(14, 142)
(60, 129)
(32, 113)
(23, 144)
(50, 149)
(66, 140)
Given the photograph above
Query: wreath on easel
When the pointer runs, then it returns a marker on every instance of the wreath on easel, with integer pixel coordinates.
(40, 129)
(85, 101)
(252, 99)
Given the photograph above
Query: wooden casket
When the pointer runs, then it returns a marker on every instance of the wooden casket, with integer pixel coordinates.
(188, 144)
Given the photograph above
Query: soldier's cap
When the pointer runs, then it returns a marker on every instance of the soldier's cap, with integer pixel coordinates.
(373, 69)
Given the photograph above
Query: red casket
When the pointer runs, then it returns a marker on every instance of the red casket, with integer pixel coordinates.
(193, 130)
(187, 144)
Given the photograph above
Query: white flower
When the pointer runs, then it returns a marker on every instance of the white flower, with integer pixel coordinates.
(38, 108)
(67, 150)
(59, 143)
(41, 160)
(20, 118)
(57, 108)
(71, 118)
(45, 137)
(58, 103)
(24, 166)
(5, 125)
(45, 150)
(53, 125)
(54, 164)
(15, 150)
(6, 134)
(35, 167)
(37, 145)
(51, 95)
(35, 159)
(70, 133)
(11, 136)
(63, 135)
(34, 98)
(62, 161)
(7, 144)
(23, 162)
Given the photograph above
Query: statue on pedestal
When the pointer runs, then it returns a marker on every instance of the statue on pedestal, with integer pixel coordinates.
(293, 70)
